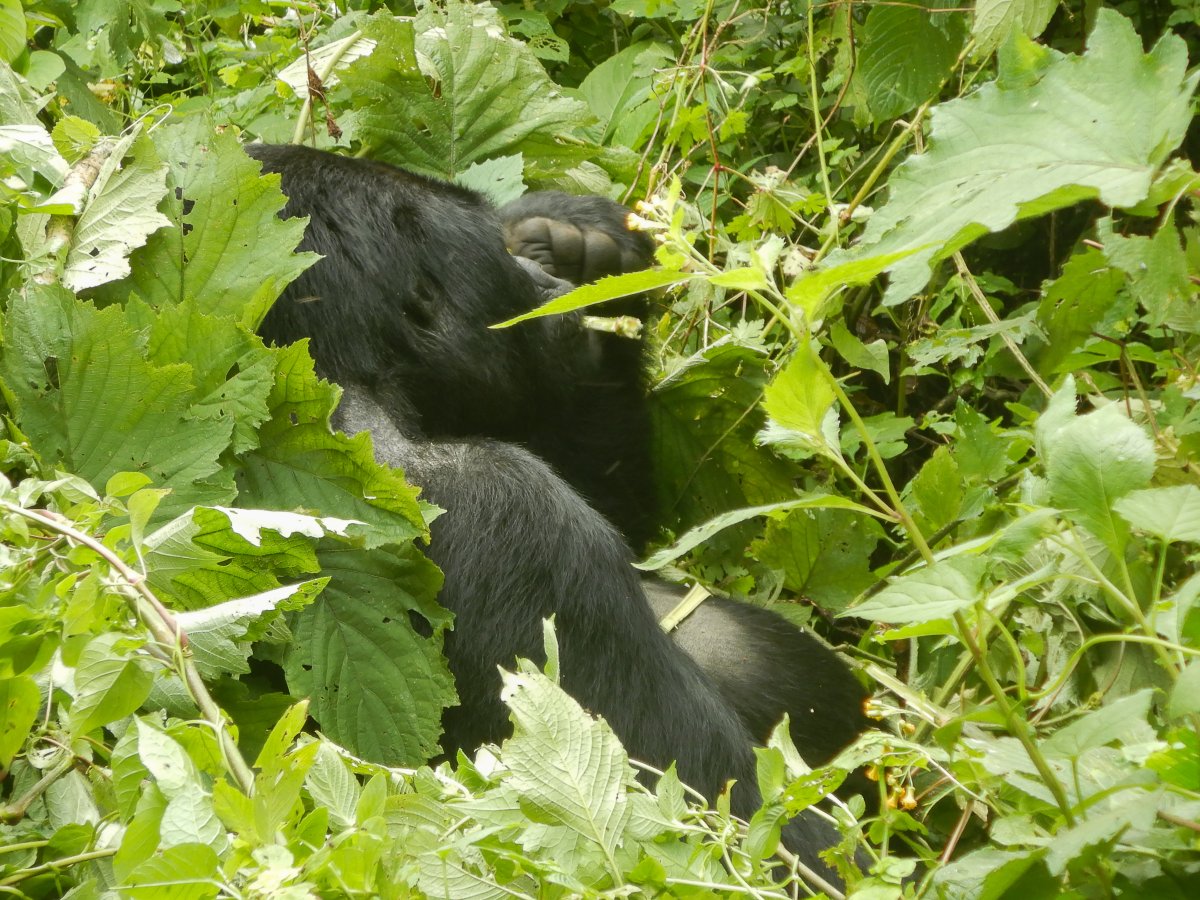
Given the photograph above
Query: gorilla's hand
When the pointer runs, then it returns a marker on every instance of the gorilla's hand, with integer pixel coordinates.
(577, 239)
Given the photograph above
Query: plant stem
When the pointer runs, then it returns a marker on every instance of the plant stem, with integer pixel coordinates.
(162, 625)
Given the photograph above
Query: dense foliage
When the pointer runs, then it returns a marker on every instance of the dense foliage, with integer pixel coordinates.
(924, 377)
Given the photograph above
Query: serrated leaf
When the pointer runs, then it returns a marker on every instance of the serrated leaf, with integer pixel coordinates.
(608, 288)
(220, 636)
(471, 91)
(501, 179)
(111, 682)
(570, 769)
(997, 20)
(872, 357)
(300, 465)
(225, 248)
(800, 396)
(936, 592)
(119, 215)
(1101, 726)
(1051, 131)
(1171, 513)
(702, 533)
(333, 786)
(903, 59)
(375, 685)
(20, 700)
(1094, 460)
(82, 385)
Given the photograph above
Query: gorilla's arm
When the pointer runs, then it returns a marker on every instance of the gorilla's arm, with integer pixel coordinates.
(517, 545)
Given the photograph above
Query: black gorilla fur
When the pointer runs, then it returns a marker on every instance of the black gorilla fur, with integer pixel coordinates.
(525, 436)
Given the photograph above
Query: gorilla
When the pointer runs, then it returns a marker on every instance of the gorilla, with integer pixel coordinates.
(534, 439)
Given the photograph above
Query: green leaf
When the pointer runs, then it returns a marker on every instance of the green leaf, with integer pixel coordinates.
(1051, 131)
(333, 786)
(1185, 695)
(111, 682)
(118, 214)
(20, 700)
(1171, 513)
(824, 553)
(800, 398)
(1082, 301)
(619, 91)
(219, 636)
(698, 535)
(873, 357)
(904, 58)
(12, 30)
(450, 88)
(226, 249)
(935, 592)
(183, 872)
(83, 387)
(375, 685)
(1122, 717)
(300, 465)
(1159, 277)
(1093, 461)
(499, 179)
(997, 20)
(569, 768)
(608, 288)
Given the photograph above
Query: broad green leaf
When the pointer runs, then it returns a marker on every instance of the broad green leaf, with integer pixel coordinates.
(988, 873)
(1135, 810)
(872, 357)
(18, 103)
(608, 288)
(219, 636)
(996, 20)
(374, 684)
(905, 56)
(1171, 513)
(1102, 726)
(111, 682)
(232, 371)
(333, 786)
(814, 291)
(936, 592)
(1185, 695)
(226, 249)
(451, 88)
(619, 91)
(698, 535)
(499, 179)
(569, 768)
(823, 552)
(12, 30)
(19, 703)
(938, 490)
(198, 559)
(1159, 277)
(800, 397)
(1081, 302)
(300, 465)
(1092, 462)
(82, 385)
(183, 872)
(117, 216)
(1051, 131)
